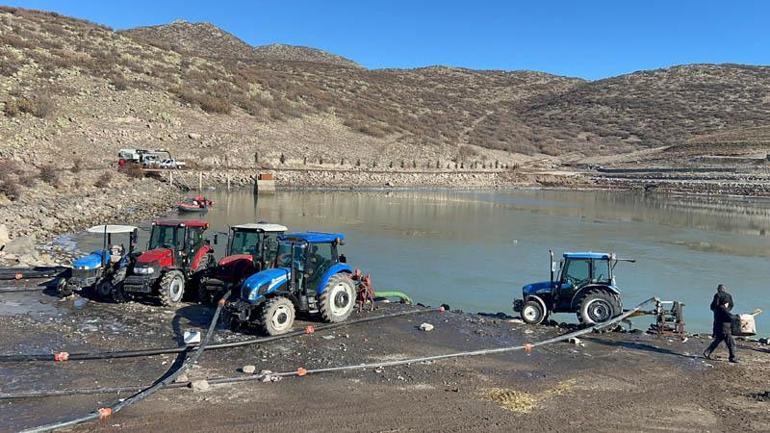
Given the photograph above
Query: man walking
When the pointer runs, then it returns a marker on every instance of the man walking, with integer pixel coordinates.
(721, 305)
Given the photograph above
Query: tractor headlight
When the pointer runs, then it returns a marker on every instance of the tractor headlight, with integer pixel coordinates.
(144, 270)
(83, 268)
(263, 289)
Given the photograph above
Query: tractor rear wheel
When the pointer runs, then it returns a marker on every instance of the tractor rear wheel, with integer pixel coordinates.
(338, 299)
(597, 306)
(277, 316)
(533, 313)
(171, 288)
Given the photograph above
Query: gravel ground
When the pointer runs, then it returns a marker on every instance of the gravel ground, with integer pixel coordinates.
(610, 382)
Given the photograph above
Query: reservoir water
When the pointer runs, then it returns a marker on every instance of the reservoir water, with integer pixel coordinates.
(475, 249)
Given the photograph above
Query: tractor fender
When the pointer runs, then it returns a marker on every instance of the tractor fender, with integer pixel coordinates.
(579, 293)
(539, 301)
(334, 270)
(198, 258)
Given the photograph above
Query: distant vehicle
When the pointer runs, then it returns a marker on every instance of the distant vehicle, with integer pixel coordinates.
(133, 155)
(171, 164)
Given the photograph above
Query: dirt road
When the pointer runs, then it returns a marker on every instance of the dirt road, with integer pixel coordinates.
(612, 382)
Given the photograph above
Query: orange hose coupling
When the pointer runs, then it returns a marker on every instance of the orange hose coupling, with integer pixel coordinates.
(61, 356)
(222, 302)
(19, 276)
(528, 347)
(301, 372)
(309, 329)
(105, 412)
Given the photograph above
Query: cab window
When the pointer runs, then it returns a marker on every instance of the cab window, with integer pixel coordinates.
(578, 271)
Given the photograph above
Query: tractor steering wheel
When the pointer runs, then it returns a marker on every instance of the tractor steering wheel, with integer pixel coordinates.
(576, 282)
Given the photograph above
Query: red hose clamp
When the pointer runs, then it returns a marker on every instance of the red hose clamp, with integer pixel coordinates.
(61, 356)
(441, 309)
(309, 329)
(105, 412)
(222, 302)
(301, 372)
(528, 347)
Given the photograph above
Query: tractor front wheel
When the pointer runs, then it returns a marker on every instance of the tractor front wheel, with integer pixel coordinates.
(532, 312)
(338, 299)
(597, 306)
(171, 288)
(118, 294)
(277, 316)
(63, 288)
(103, 289)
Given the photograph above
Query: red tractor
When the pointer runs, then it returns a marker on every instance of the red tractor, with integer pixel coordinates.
(177, 255)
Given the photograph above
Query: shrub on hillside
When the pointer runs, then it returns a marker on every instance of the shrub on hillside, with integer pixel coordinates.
(48, 174)
(133, 171)
(104, 180)
(10, 188)
(77, 165)
(41, 106)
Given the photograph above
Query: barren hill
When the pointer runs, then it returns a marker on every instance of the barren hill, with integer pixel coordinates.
(202, 92)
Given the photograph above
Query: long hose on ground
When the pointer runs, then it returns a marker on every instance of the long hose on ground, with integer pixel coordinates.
(106, 412)
(303, 372)
(30, 273)
(87, 356)
(393, 294)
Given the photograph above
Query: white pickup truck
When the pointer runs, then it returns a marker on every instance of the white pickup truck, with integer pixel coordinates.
(171, 164)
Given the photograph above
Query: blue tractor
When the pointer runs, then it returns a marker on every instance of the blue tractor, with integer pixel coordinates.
(310, 276)
(104, 268)
(583, 283)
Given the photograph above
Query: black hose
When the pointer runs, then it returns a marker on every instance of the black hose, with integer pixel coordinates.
(89, 356)
(33, 272)
(141, 395)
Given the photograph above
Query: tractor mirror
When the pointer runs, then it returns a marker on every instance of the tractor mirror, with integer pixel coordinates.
(554, 267)
(216, 238)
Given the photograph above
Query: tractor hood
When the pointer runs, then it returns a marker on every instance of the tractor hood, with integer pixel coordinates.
(164, 256)
(92, 261)
(231, 260)
(537, 288)
(261, 283)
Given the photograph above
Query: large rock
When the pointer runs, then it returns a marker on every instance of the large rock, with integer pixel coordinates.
(21, 246)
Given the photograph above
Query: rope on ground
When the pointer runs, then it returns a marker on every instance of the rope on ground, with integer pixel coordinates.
(89, 356)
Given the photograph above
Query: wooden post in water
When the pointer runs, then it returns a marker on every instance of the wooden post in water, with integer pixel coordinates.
(200, 181)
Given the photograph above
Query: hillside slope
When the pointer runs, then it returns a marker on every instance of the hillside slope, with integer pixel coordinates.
(204, 93)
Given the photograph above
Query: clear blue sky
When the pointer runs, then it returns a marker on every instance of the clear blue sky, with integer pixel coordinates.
(590, 39)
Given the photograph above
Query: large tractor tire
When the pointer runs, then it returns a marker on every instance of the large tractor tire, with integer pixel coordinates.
(171, 290)
(277, 316)
(338, 300)
(533, 313)
(597, 306)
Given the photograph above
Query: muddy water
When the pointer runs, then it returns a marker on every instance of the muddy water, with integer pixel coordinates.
(474, 250)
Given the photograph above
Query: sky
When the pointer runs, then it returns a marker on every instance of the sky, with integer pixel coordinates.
(588, 39)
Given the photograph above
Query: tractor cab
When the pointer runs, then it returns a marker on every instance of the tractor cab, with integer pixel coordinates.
(97, 268)
(582, 283)
(310, 276)
(251, 248)
(177, 254)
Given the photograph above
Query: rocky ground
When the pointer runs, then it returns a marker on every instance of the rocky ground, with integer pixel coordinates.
(70, 203)
(604, 382)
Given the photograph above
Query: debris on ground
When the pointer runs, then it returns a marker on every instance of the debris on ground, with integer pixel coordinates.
(577, 342)
(427, 327)
(249, 369)
(200, 385)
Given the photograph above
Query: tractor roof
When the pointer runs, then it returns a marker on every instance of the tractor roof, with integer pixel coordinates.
(261, 227)
(111, 229)
(315, 237)
(588, 255)
(188, 223)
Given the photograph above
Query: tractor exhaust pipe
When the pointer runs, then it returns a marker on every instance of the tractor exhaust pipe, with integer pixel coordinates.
(550, 265)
